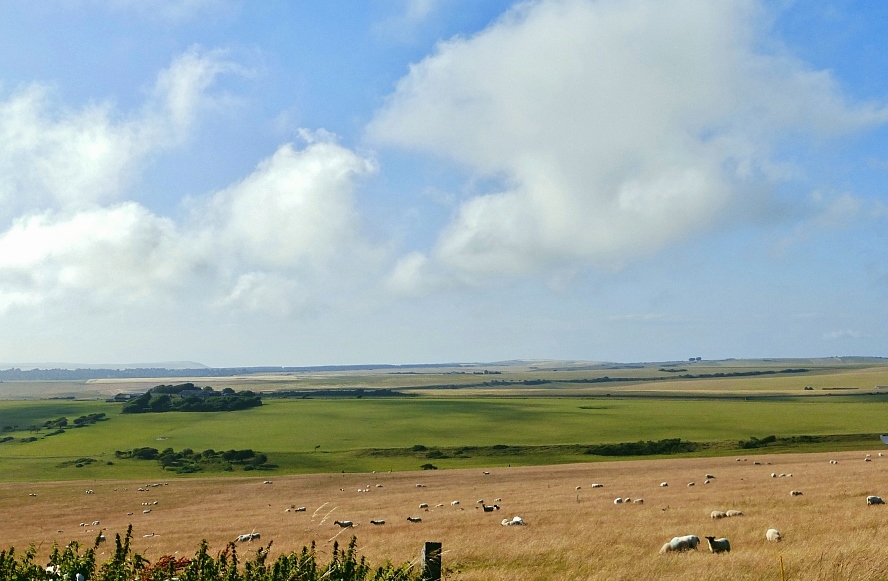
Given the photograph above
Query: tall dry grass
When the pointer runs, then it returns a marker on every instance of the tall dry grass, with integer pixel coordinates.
(830, 533)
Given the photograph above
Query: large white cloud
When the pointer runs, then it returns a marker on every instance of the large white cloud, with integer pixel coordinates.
(615, 129)
(53, 156)
(101, 256)
(275, 242)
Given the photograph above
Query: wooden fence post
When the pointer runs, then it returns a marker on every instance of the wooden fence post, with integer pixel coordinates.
(431, 562)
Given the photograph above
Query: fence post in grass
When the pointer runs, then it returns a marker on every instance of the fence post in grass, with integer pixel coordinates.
(431, 562)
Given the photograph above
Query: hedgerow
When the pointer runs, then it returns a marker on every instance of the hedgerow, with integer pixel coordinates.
(126, 565)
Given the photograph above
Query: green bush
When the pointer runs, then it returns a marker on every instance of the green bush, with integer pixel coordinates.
(125, 565)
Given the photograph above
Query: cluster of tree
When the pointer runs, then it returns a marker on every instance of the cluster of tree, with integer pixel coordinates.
(640, 448)
(78, 422)
(188, 398)
(187, 460)
(124, 564)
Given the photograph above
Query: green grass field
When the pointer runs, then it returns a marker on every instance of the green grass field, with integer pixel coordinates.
(317, 435)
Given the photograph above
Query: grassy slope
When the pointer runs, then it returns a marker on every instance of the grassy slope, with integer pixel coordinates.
(289, 430)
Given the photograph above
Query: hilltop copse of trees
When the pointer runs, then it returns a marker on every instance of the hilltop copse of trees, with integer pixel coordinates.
(186, 397)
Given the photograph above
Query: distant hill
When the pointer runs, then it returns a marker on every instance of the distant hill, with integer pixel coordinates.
(73, 366)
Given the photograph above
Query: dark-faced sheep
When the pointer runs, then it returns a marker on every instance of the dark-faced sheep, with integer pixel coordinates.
(718, 545)
(874, 500)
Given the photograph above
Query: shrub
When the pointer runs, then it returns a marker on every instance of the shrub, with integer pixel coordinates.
(125, 565)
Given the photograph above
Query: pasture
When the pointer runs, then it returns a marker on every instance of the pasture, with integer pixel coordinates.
(829, 532)
(363, 435)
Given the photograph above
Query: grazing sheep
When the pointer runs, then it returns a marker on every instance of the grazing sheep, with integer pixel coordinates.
(420, 485)
(344, 523)
(486, 473)
(717, 514)
(718, 545)
(377, 522)
(627, 500)
(867, 459)
(679, 544)
(638, 501)
(414, 519)
(454, 503)
(146, 511)
(690, 484)
(773, 475)
(881, 454)
(795, 492)
(773, 535)
(618, 500)
(710, 476)
(423, 505)
(707, 481)
(490, 508)
(247, 537)
(874, 500)
(756, 463)
(516, 521)
(731, 513)
(597, 485)
(833, 461)
(579, 487)
(664, 484)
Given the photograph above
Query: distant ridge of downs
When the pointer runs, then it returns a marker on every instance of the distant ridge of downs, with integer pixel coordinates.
(59, 374)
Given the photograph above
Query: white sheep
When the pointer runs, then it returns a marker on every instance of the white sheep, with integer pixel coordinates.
(414, 519)
(678, 544)
(795, 492)
(638, 501)
(597, 485)
(773, 535)
(710, 476)
(377, 522)
(454, 503)
(423, 505)
(721, 545)
(690, 484)
(731, 513)
(833, 461)
(618, 500)
(344, 523)
(707, 481)
(874, 500)
(664, 484)
(516, 521)
(717, 514)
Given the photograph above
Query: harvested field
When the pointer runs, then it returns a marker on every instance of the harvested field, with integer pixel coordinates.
(829, 531)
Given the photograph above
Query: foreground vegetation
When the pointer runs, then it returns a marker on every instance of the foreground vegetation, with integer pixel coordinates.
(125, 565)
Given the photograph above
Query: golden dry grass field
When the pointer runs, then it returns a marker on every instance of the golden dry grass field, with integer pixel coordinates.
(830, 533)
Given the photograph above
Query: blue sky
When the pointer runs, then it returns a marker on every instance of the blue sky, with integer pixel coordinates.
(396, 181)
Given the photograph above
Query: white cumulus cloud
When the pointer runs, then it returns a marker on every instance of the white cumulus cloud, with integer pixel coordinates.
(614, 129)
(52, 156)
